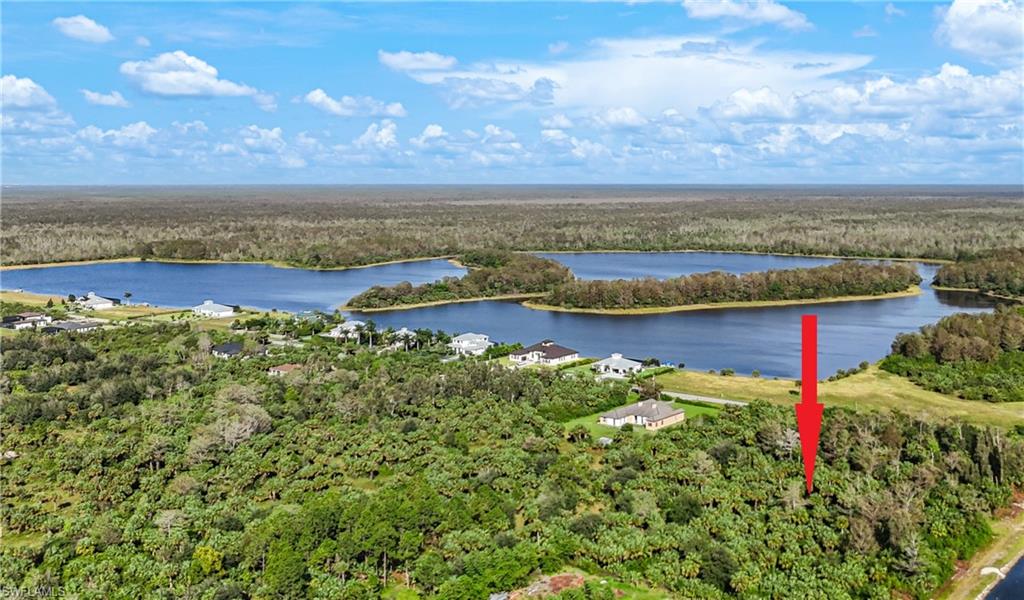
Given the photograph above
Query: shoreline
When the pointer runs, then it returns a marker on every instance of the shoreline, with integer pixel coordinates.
(936, 261)
(449, 257)
(943, 288)
(213, 261)
(655, 310)
(346, 308)
(971, 583)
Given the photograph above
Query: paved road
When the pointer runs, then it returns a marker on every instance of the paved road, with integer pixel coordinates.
(708, 399)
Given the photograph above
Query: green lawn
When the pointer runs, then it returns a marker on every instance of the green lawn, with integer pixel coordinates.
(872, 389)
(597, 430)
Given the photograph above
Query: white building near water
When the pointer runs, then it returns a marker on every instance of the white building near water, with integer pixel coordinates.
(211, 309)
(617, 366)
(91, 300)
(470, 344)
(348, 330)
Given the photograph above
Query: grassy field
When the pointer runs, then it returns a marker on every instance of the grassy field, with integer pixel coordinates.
(872, 389)
(598, 430)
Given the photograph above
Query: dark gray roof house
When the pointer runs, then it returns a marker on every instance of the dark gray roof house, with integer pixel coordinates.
(544, 352)
(228, 349)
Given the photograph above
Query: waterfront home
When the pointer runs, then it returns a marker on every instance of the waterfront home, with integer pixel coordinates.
(470, 344)
(282, 370)
(649, 414)
(70, 326)
(348, 330)
(616, 366)
(96, 302)
(18, 324)
(545, 352)
(213, 310)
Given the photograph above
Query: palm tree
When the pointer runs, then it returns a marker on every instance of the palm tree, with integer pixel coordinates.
(127, 296)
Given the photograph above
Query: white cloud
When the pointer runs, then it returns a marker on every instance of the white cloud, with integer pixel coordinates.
(648, 74)
(381, 135)
(415, 61)
(114, 99)
(558, 47)
(864, 32)
(142, 41)
(620, 117)
(556, 121)
(190, 126)
(431, 133)
(744, 104)
(755, 12)
(81, 27)
(891, 11)
(134, 135)
(178, 74)
(22, 92)
(349, 106)
(263, 141)
(987, 29)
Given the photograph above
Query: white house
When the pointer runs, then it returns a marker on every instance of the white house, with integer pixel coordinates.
(470, 344)
(544, 353)
(95, 302)
(617, 366)
(649, 414)
(347, 330)
(211, 309)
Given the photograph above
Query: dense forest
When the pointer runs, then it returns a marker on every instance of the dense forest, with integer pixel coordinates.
(844, 278)
(491, 273)
(322, 226)
(1000, 273)
(135, 464)
(977, 357)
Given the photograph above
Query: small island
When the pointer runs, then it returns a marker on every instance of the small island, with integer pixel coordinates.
(545, 284)
(999, 274)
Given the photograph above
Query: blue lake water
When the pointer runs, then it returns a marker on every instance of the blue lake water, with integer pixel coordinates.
(1011, 588)
(766, 339)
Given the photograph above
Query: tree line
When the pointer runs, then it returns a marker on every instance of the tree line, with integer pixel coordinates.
(1000, 273)
(345, 226)
(845, 278)
(975, 356)
(491, 273)
(138, 465)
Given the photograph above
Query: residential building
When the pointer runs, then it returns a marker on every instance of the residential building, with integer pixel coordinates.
(70, 326)
(545, 352)
(348, 330)
(649, 414)
(95, 302)
(282, 370)
(470, 344)
(616, 366)
(213, 310)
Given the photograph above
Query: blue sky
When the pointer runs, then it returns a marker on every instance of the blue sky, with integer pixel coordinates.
(717, 91)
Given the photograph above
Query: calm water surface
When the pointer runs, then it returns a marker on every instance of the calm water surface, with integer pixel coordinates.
(767, 339)
(1011, 588)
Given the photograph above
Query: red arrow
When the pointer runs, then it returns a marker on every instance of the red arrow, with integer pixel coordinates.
(808, 412)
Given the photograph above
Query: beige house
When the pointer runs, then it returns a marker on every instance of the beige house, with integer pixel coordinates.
(649, 414)
(282, 370)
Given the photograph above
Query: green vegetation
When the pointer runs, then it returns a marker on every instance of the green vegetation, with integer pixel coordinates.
(595, 429)
(137, 465)
(346, 226)
(977, 357)
(999, 273)
(869, 390)
(491, 274)
(846, 278)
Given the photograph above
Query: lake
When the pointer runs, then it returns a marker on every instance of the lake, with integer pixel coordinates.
(1011, 588)
(766, 339)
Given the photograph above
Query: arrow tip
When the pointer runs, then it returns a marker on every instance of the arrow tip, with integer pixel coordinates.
(808, 421)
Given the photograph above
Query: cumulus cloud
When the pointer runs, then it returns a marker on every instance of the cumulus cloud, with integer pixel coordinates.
(349, 106)
(754, 12)
(380, 136)
(619, 118)
(142, 41)
(988, 29)
(135, 135)
(415, 61)
(556, 121)
(558, 47)
(81, 27)
(892, 11)
(178, 74)
(114, 99)
(22, 92)
(196, 126)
